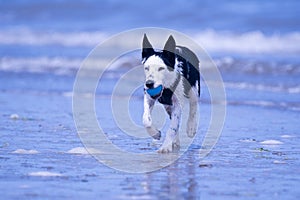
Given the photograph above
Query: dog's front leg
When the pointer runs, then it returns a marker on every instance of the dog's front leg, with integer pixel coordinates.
(172, 133)
(147, 120)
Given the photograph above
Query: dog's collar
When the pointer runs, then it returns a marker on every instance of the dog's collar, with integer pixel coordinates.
(174, 86)
(166, 96)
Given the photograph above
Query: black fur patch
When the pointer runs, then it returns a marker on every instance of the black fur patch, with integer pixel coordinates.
(190, 68)
(166, 97)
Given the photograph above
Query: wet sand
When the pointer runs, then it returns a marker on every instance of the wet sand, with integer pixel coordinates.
(42, 157)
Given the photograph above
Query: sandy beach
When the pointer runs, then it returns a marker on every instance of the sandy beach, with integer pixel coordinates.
(256, 157)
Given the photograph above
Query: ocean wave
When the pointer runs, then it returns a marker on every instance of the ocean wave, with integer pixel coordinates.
(213, 41)
(25, 36)
(263, 87)
(58, 65)
(258, 66)
(228, 65)
(266, 104)
(249, 42)
(62, 65)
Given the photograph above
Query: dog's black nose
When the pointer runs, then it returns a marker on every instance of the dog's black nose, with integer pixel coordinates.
(149, 84)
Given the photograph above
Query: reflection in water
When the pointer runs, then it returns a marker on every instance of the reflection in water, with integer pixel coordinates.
(177, 181)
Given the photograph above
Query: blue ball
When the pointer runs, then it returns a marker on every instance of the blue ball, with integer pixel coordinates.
(155, 91)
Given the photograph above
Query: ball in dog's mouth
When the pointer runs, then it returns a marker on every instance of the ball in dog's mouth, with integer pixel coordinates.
(155, 92)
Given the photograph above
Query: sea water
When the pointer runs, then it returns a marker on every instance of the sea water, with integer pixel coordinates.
(255, 44)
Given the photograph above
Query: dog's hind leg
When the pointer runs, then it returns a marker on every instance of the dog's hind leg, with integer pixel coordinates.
(176, 143)
(193, 110)
(147, 120)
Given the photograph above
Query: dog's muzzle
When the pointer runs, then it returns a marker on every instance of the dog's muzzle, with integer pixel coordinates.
(149, 84)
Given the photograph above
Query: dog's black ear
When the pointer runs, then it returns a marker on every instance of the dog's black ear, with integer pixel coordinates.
(147, 48)
(169, 51)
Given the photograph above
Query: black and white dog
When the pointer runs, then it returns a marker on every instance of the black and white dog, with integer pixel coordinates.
(171, 75)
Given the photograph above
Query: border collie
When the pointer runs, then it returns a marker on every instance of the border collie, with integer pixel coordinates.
(171, 74)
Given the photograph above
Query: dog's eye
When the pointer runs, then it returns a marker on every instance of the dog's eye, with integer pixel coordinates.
(147, 68)
(161, 68)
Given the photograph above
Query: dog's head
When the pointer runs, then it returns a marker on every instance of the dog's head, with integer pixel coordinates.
(158, 66)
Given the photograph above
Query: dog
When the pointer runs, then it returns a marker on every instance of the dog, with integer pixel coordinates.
(171, 74)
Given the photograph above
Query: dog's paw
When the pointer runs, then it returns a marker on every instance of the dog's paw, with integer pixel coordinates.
(157, 136)
(176, 145)
(191, 129)
(165, 149)
(154, 133)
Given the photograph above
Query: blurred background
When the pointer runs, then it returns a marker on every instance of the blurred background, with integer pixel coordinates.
(254, 43)
(59, 33)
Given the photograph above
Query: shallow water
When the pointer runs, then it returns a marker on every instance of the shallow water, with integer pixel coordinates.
(240, 166)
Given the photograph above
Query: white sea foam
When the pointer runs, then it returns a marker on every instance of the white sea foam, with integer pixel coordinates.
(40, 64)
(59, 65)
(279, 162)
(258, 66)
(213, 41)
(14, 116)
(261, 103)
(25, 36)
(263, 87)
(287, 136)
(271, 142)
(82, 150)
(250, 42)
(24, 151)
(45, 174)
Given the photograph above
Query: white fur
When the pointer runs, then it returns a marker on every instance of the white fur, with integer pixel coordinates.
(192, 120)
(156, 70)
(172, 136)
(147, 120)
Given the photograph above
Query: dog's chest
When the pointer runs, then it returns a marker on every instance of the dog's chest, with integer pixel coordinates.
(166, 97)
